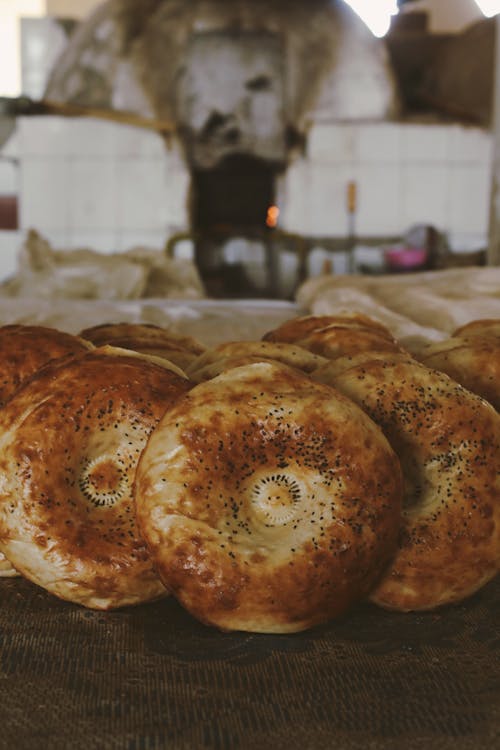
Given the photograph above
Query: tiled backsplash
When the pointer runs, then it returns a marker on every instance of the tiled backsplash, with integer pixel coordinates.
(94, 183)
(404, 173)
(9, 244)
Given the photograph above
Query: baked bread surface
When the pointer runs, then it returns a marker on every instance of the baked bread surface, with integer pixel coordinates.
(70, 440)
(148, 339)
(288, 354)
(448, 442)
(479, 327)
(338, 341)
(298, 328)
(473, 362)
(23, 350)
(269, 503)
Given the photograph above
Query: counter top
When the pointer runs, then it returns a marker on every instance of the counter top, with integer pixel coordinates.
(152, 677)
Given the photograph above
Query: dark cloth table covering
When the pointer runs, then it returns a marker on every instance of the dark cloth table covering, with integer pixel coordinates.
(153, 677)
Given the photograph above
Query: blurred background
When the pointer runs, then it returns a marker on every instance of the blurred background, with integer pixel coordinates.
(264, 142)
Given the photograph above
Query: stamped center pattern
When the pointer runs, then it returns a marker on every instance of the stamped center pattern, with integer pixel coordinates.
(275, 499)
(102, 482)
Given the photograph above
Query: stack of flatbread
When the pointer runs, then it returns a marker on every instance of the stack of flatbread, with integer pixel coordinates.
(269, 485)
(417, 308)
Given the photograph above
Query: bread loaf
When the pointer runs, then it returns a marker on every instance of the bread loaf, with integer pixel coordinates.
(448, 442)
(70, 440)
(269, 503)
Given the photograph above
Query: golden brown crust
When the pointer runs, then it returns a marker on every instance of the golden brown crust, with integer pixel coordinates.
(24, 349)
(288, 354)
(334, 367)
(473, 362)
(269, 503)
(338, 341)
(170, 352)
(296, 329)
(212, 369)
(448, 442)
(147, 339)
(482, 327)
(108, 333)
(70, 440)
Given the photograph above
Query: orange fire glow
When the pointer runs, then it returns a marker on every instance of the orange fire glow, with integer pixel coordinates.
(273, 213)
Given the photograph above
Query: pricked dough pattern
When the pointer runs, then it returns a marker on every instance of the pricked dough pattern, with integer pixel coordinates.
(70, 440)
(448, 441)
(269, 502)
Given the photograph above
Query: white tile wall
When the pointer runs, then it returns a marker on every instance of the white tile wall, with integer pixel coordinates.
(471, 145)
(424, 143)
(332, 143)
(86, 137)
(92, 196)
(178, 186)
(45, 193)
(405, 174)
(111, 186)
(9, 177)
(379, 143)
(134, 142)
(316, 199)
(424, 194)
(466, 242)
(327, 199)
(100, 184)
(294, 191)
(378, 198)
(469, 198)
(9, 246)
(141, 193)
(44, 136)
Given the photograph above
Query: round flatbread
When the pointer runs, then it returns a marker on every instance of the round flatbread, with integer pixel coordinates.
(473, 362)
(23, 350)
(147, 339)
(297, 329)
(448, 443)
(482, 327)
(288, 354)
(338, 341)
(269, 503)
(70, 440)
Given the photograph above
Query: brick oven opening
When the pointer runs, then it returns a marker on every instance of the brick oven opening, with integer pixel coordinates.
(230, 220)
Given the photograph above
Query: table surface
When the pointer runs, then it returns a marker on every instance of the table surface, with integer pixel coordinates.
(153, 677)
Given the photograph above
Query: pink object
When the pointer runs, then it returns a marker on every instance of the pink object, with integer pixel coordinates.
(402, 257)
